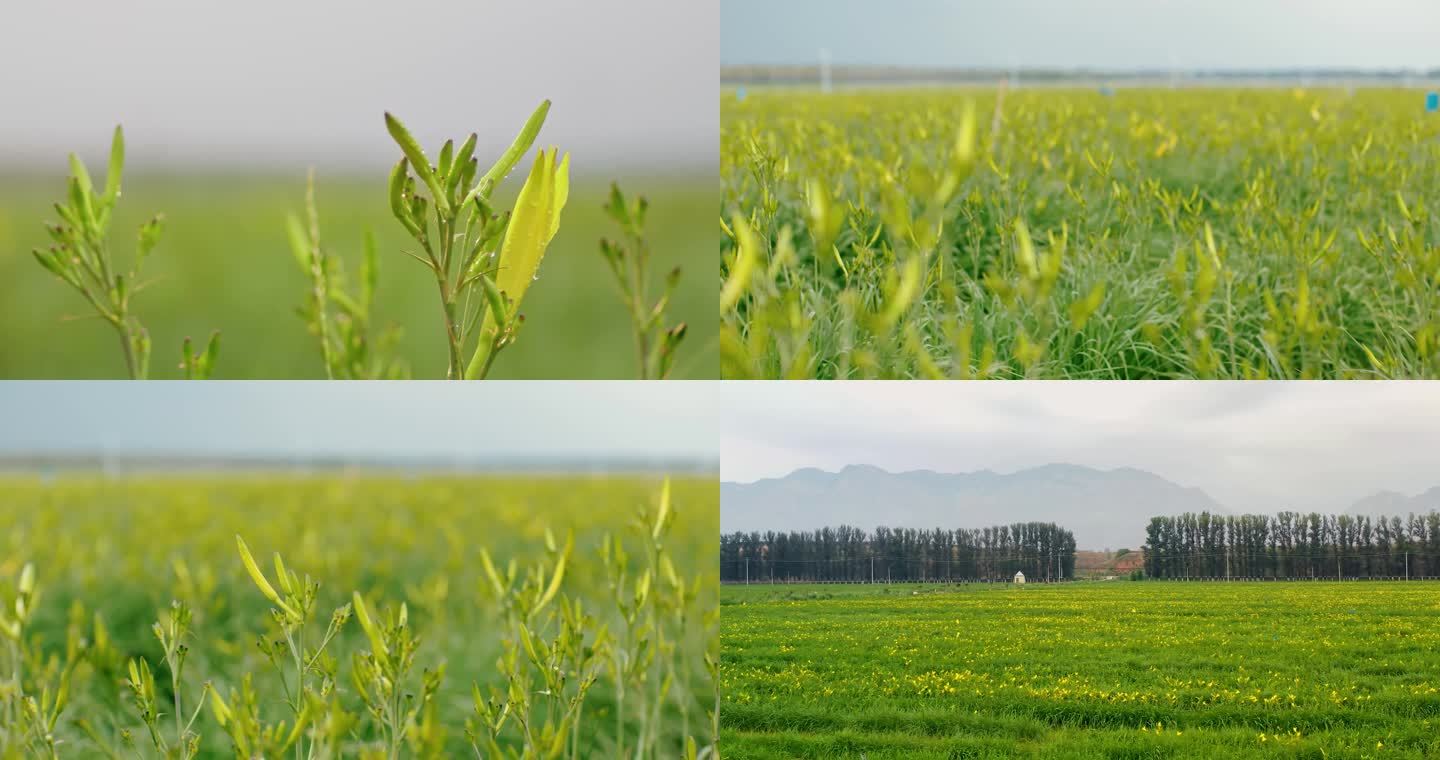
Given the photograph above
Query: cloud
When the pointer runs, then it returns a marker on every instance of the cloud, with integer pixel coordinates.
(1254, 446)
(447, 421)
(1097, 33)
(295, 83)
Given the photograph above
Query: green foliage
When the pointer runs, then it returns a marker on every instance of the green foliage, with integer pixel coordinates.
(1081, 670)
(1153, 234)
(483, 261)
(36, 689)
(339, 319)
(80, 256)
(629, 262)
(434, 645)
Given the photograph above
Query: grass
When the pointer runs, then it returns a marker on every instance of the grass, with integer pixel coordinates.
(926, 233)
(225, 263)
(409, 617)
(1084, 670)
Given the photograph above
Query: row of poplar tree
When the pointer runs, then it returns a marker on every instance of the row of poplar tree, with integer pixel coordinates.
(1042, 551)
(1287, 545)
(1292, 545)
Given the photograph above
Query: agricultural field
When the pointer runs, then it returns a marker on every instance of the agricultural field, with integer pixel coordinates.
(224, 262)
(1048, 233)
(556, 617)
(1085, 670)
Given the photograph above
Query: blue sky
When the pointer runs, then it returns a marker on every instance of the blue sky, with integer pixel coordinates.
(1111, 34)
(600, 420)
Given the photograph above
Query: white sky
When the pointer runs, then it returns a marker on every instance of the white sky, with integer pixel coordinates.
(1257, 446)
(1111, 34)
(299, 82)
(449, 421)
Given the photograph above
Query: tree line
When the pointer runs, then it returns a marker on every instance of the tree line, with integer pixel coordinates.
(1292, 545)
(1043, 551)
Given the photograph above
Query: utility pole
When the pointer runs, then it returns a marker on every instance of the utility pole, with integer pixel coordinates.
(872, 569)
(1407, 566)
(747, 571)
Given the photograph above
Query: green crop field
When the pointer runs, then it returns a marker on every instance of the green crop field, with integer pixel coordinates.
(587, 649)
(224, 263)
(1146, 669)
(1055, 233)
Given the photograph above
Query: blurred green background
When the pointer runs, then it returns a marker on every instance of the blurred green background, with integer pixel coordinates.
(224, 263)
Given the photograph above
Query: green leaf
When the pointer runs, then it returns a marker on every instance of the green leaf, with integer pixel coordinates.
(664, 514)
(562, 194)
(747, 254)
(81, 175)
(467, 150)
(515, 152)
(412, 151)
(80, 200)
(495, 299)
(207, 360)
(369, 272)
(554, 586)
(616, 208)
(149, 237)
(447, 155)
(461, 165)
(258, 577)
(52, 262)
(533, 223)
(372, 632)
(299, 242)
(397, 196)
(113, 172)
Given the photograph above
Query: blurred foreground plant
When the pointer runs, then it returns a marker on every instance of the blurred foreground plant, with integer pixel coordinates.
(570, 658)
(655, 343)
(81, 257)
(339, 320)
(35, 690)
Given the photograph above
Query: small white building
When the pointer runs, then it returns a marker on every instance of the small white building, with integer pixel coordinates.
(1020, 578)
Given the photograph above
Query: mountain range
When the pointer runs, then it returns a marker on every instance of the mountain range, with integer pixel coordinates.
(1104, 508)
(1391, 503)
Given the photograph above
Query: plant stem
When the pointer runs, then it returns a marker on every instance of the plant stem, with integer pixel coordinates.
(396, 727)
(637, 305)
(317, 275)
(13, 702)
(452, 328)
(127, 346)
(620, 714)
(298, 652)
(489, 359)
(175, 693)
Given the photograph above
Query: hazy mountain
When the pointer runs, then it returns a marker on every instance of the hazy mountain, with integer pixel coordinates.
(1392, 504)
(1105, 508)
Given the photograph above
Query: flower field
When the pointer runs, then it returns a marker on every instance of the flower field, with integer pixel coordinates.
(1119, 669)
(357, 616)
(1074, 234)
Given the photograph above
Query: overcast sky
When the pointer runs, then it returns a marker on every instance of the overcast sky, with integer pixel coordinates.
(299, 82)
(1254, 446)
(1110, 34)
(448, 421)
